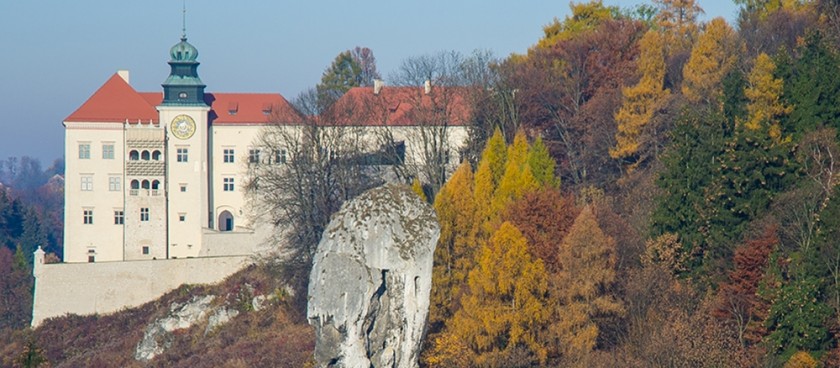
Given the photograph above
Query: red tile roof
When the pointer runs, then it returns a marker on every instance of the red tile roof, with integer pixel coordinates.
(116, 102)
(402, 106)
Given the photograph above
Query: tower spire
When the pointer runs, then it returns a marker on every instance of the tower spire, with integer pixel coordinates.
(184, 22)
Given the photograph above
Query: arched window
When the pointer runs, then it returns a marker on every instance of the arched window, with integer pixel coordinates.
(135, 184)
(225, 221)
(133, 155)
(156, 155)
(155, 184)
(145, 155)
(145, 184)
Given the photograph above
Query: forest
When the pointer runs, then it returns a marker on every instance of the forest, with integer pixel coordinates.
(675, 206)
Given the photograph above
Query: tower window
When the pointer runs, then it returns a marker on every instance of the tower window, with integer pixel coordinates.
(183, 187)
(145, 249)
(182, 95)
(84, 151)
(182, 217)
(108, 151)
(133, 155)
(144, 214)
(87, 217)
(228, 184)
(87, 183)
(183, 155)
(228, 155)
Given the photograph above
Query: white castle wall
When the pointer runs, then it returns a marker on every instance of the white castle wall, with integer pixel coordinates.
(107, 287)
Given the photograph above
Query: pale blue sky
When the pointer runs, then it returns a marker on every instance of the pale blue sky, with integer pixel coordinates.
(54, 54)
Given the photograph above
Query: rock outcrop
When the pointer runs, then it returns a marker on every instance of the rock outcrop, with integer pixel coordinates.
(158, 335)
(370, 281)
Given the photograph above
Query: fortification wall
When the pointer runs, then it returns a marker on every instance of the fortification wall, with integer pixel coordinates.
(106, 287)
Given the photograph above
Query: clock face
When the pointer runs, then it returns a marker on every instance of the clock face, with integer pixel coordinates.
(182, 127)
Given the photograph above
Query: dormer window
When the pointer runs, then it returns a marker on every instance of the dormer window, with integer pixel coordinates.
(233, 108)
(182, 95)
(266, 109)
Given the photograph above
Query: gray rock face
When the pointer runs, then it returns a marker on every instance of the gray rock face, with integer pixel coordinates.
(157, 336)
(370, 281)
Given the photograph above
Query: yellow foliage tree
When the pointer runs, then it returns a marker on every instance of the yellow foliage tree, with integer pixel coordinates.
(678, 21)
(713, 56)
(517, 179)
(542, 165)
(581, 287)
(490, 170)
(506, 308)
(764, 93)
(454, 255)
(585, 16)
(642, 100)
(801, 359)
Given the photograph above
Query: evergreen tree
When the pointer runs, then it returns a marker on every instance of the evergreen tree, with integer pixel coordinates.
(344, 73)
(811, 86)
(542, 165)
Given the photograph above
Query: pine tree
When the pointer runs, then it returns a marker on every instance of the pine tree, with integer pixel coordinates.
(642, 100)
(582, 287)
(714, 54)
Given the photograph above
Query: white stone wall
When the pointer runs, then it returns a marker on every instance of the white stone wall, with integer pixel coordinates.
(102, 239)
(107, 287)
(241, 139)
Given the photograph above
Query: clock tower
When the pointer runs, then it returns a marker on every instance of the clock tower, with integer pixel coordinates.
(184, 117)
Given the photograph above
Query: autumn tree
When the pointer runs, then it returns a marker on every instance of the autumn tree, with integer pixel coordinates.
(544, 217)
(454, 255)
(518, 178)
(582, 286)
(505, 310)
(488, 176)
(321, 171)
(363, 56)
(713, 55)
(678, 20)
(585, 17)
(738, 299)
(764, 93)
(642, 100)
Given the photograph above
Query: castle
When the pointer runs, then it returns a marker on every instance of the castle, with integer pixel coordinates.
(154, 192)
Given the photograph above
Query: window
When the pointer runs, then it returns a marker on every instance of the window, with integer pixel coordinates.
(254, 155)
(145, 249)
(87, 183)
(156, 155)
(91, 259)
(84, 151)
(183, 155)
(183, 187)
(228, 155)
(144, 214)
(133, 155)
(145, 155)
(228, 184)
(114, 183)
(280, 156)
(87, 217)
(182, 217)
(119, 217)
(108, 151)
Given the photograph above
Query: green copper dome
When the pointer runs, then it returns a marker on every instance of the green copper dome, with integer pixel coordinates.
(183, 51)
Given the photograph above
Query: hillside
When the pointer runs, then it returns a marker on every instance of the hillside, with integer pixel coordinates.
(262, 334)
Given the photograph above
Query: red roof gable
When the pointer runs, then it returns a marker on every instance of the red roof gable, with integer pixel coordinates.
(402, 106)
(115, 101)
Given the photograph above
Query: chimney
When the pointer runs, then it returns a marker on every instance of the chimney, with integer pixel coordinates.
(377, 86)
(124, 75)
(428, 86)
